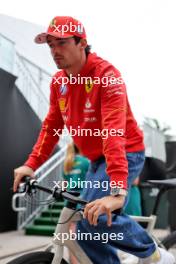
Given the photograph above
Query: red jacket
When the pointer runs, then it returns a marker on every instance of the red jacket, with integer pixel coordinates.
(101, 106)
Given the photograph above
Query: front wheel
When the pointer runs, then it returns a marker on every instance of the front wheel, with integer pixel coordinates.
(41, 257)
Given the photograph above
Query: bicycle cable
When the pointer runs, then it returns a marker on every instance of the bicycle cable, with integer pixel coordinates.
(48, 202)
(39, 202)
(77, 210)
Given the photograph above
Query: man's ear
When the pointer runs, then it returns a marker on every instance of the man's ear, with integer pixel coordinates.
(83, 43)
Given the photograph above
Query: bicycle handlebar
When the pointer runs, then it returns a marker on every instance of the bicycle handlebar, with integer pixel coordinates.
(32, 184)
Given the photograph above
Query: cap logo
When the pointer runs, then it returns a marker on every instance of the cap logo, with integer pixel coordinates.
(53, 23)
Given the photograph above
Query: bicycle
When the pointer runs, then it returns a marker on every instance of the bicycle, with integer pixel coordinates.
(70, 214)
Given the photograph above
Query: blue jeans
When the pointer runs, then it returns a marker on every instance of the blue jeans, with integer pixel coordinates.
(135, 239)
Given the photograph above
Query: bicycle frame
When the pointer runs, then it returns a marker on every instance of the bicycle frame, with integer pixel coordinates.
(72, 245)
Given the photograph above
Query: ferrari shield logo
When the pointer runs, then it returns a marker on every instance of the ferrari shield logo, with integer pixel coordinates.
(88, 86)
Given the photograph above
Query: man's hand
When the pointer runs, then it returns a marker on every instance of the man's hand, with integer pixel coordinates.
(19, 173)
(104, 205)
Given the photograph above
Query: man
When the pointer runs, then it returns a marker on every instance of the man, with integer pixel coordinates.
(98, 104)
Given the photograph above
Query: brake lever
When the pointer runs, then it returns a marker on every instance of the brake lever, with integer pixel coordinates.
(27, 185)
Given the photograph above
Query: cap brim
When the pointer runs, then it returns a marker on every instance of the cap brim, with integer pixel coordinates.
(42, 37)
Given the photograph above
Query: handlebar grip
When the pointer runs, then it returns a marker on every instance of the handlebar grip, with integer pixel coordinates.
(24, 185)
(26, 179)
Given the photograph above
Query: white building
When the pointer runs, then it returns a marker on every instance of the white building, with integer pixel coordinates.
(31, 63)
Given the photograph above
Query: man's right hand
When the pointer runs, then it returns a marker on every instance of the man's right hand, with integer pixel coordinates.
(19, 173)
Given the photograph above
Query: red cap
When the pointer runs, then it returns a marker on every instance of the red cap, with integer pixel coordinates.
(62, 27)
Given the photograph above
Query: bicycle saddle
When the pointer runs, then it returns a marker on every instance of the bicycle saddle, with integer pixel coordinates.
(170, 183)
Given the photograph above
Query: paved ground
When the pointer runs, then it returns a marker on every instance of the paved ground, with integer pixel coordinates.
(11, 243)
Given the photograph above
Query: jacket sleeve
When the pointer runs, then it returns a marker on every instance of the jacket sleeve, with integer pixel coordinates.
(47, 138)
(113, 111)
